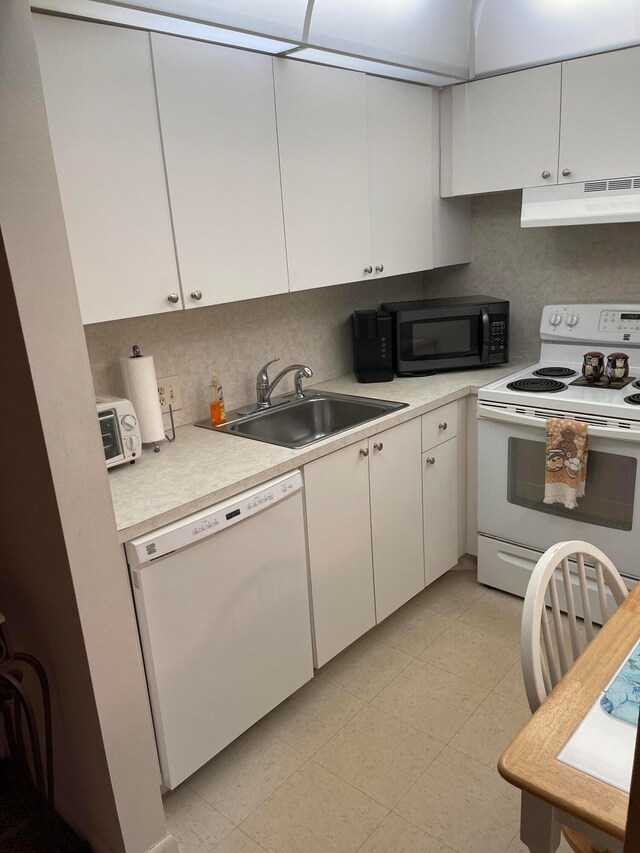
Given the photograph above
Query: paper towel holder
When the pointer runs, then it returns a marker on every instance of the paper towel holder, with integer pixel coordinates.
(135, 349)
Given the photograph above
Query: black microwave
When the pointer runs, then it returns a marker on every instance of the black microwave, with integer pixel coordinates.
(431, 335)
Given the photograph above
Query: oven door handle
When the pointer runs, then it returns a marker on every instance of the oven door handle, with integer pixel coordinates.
(632, 435)
(486, 335)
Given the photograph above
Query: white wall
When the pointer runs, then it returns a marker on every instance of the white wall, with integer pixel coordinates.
(63, 585)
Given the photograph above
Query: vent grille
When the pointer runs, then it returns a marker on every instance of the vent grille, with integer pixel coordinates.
(620, 184)
(612, 184)
(135, 577)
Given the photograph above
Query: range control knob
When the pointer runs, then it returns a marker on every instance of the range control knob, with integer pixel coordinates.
(571, 319)
(555, 318)
(132, 443)
(128, 422)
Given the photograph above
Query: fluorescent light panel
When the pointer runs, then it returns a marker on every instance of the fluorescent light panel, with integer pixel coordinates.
(109, 13)
(430, 35)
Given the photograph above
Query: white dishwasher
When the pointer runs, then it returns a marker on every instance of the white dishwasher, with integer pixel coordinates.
(223, 612)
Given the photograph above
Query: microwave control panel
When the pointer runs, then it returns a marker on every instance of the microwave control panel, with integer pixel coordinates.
(498, 335)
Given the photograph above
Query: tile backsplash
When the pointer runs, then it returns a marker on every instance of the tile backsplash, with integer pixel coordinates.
(532, 267)
(236, 339)
(529, 267)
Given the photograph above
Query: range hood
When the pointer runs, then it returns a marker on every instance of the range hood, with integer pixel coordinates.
(590, 203)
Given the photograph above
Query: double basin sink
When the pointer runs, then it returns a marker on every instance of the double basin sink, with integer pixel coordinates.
(296, 423)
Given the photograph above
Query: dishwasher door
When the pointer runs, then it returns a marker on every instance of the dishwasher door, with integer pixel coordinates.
(224, 622)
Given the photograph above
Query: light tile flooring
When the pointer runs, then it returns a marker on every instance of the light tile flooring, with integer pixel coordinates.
(392, 748)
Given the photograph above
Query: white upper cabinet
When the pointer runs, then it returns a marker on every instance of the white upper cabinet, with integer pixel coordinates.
(218, 123)
(400, 155)
(100, 99)
(501, 133)
(322, 129)
(600, 135)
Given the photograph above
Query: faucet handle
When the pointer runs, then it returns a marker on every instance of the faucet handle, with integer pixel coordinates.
(262, 379)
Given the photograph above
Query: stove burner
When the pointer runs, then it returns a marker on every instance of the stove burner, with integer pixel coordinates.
(534, 385)
(554, 371)
(634, 399)
(636, 384)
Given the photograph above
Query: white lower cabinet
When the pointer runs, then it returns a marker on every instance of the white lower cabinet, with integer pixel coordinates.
(340, 555)
(364, 525)
(396, 516)
(440, 502)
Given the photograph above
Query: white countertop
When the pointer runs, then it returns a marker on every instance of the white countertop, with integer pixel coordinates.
(203, 467)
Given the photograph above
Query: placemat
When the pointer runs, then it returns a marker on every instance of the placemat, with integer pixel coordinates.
(622, 697)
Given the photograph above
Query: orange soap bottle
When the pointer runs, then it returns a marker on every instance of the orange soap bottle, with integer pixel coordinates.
(218, 415)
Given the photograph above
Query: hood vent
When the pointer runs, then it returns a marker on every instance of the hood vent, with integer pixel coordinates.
(589, 203)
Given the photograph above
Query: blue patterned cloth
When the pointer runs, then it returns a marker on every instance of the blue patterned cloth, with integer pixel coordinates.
(622, 697)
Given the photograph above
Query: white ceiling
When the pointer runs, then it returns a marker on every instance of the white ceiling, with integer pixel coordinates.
(430, 41)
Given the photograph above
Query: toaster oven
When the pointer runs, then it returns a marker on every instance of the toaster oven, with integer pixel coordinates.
(119, 429)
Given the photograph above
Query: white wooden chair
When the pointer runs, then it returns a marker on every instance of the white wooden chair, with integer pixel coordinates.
(546, 651)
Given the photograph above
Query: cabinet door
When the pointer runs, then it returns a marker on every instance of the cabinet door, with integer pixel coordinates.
(600, 135)
(340, 562)
(396, 516)
(400, 153)
(440, 506)
(502, 133)
(98, 86)
(322, 130)
(218, 121)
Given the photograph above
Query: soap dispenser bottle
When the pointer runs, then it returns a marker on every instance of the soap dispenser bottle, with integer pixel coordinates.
(218, 415)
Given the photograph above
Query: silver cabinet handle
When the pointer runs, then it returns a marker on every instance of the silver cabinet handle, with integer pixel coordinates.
(378, 445)
(368, 270)
(364, 451)
(443, 426)
(431, 460)
(379, 267)
(566, 172)
(546, 174)
(173, 297)
(196, 294)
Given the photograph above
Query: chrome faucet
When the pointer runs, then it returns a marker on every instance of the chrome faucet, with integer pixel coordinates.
(265, 389)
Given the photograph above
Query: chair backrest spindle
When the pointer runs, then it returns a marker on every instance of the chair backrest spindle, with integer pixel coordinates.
(543, 661)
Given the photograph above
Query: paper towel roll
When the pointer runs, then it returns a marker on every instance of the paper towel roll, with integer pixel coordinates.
(141, 387)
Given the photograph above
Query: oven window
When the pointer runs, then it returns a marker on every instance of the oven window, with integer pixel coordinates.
(447, 337)
(109, 432)
(610, 486)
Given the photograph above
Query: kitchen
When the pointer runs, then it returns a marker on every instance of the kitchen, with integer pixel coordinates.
(529, 268)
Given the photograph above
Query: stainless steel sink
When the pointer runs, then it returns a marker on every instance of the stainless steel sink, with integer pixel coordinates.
(297, 423)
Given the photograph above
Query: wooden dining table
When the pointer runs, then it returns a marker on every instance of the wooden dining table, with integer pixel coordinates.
(555, 794)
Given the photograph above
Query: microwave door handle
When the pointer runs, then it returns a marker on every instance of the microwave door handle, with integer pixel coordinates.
(484, 358)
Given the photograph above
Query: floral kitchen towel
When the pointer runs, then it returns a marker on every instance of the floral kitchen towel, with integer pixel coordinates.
(566, 462)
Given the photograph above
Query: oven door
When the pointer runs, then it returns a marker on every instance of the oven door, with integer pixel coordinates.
(511, 463)
(441, 339)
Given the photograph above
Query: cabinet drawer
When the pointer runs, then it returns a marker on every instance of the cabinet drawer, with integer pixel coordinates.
(439, 425)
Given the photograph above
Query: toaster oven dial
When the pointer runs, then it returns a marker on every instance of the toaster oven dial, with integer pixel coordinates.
(132, 442)
(128, 422)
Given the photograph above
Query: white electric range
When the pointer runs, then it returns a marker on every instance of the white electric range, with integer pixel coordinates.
(514, 524)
